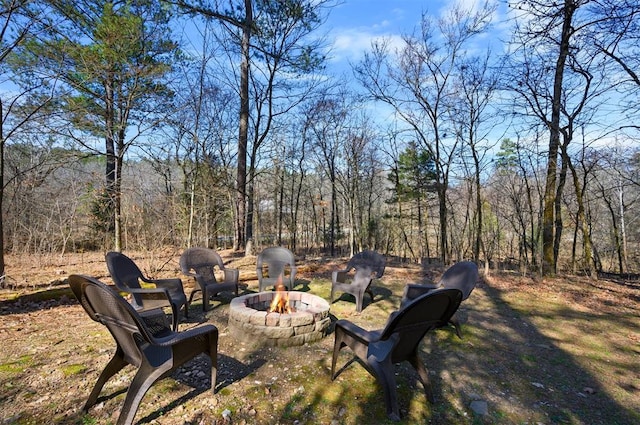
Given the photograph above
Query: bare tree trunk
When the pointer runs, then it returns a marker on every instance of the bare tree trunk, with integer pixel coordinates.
(117, 207)
(549, 266)
(333, 216)
(192, 198)
(280, 206)
(623, 227)
(478, 241)
(111, 172)
(558, 223)
(243, 131)
(442, 209)
(2, 141)
(581, 223)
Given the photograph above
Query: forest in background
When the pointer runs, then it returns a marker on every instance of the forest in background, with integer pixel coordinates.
(121, 130)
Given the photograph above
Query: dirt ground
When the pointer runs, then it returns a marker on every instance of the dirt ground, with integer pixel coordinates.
(558, 351)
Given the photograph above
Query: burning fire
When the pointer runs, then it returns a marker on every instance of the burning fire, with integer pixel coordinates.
(280, 303)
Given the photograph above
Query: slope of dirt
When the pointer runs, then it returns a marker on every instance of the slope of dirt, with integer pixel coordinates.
(559, 351)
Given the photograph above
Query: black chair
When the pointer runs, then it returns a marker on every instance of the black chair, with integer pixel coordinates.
(167, 292)
(200, 263)
(399, 341)
(150, 345)
(276, 265)
(357, 276)
(462, 276)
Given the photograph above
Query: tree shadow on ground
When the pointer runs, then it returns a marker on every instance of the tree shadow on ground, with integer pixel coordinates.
(301, 282)
(379, 294)
(36, 301)
(504, 360)
(230, 371)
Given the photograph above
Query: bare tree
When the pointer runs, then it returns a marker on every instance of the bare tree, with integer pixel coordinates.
(284, 52)
(274, 46)
(474, 120)
(563, 84)
(326, 123)
(418, 81)
(516, 194)
(200, 128)
(17, 24)
(616, 34)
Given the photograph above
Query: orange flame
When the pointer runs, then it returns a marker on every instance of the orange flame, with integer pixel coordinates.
(280, 302)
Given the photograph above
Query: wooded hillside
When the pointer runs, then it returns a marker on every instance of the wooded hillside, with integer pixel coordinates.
(135, 125)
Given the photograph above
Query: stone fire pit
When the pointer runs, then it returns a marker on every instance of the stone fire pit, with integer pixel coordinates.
(249, 318)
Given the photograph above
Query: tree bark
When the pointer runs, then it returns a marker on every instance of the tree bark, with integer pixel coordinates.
(243, 131)
(549, 266)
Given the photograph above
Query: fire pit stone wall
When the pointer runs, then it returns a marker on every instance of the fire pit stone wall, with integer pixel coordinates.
(249, 319)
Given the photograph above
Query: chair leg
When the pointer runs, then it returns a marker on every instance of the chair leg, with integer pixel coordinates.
(213, 354)
(337, 346)
(423, 374)
(384, 373)
(114, 366)
(192, 294)
(146, 376)
(205, 300)
(370, 292)
(174, 320)
(359, 301)
(456, 324)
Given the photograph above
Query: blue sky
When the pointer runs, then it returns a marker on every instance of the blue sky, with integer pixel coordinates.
(353, 24)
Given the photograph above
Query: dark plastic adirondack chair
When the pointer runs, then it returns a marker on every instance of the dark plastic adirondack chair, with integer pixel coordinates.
(276, 265)
(154, 349)
(200, 263)
(127, 277)
(462, 276)
(380, 350)
(366, 266)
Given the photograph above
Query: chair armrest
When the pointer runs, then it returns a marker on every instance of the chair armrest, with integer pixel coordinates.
(189, 273)
(161, 293)
(356, 332)
(170, 284)
(414, 290)
(231, 275)
(176, 337)
(294, 270)
(339, 276)
(152, 299)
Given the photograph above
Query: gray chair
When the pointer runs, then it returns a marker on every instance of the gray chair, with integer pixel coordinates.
(398, 341)
(167, 292)
(357, 276)
(150, 346)
(276, 265)
(200, 263)
(462, 276)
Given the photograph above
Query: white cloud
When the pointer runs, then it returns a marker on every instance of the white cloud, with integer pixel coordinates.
(352, 44)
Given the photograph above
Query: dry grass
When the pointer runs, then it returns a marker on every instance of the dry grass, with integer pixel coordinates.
(560, 351)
